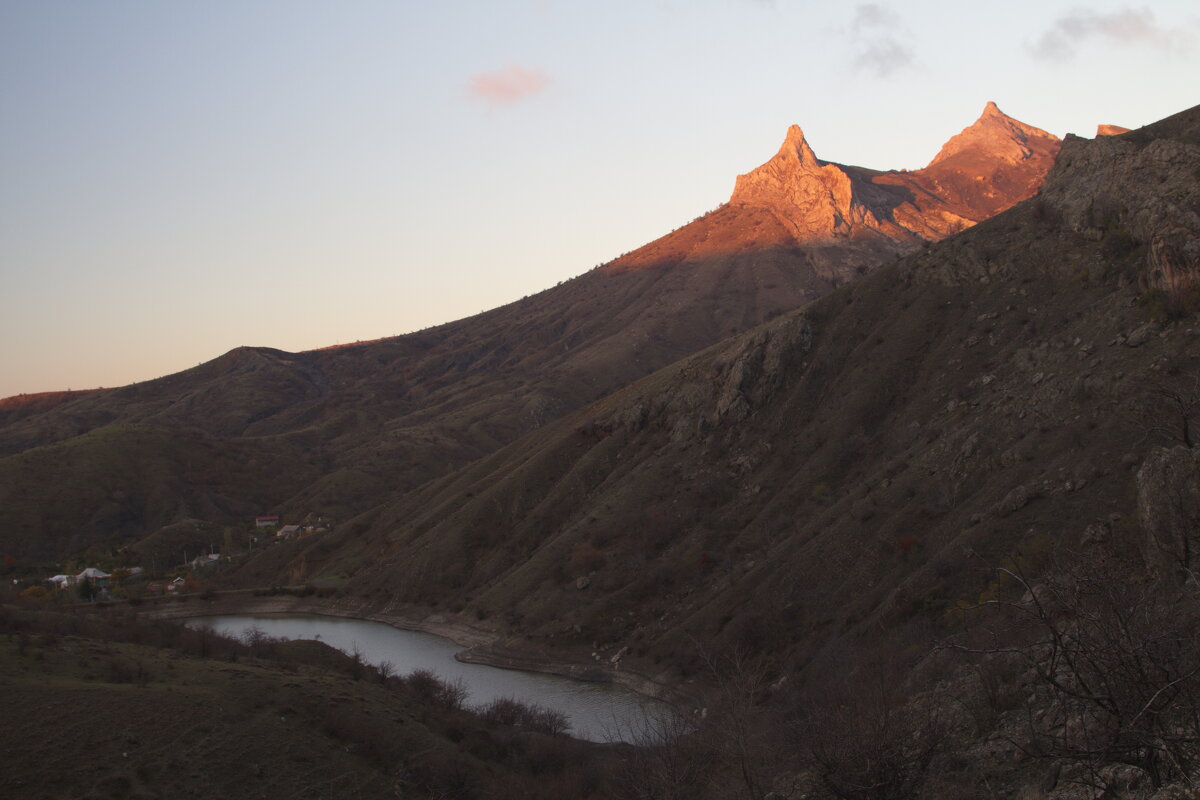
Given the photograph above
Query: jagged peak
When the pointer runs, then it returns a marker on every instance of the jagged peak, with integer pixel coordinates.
(795, 144)
(997, 134)
(992, 110)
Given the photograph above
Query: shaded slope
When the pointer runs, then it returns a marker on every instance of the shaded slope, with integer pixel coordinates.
(838, 467)
(365, 422)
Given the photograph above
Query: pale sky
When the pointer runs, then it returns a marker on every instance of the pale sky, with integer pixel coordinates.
(181, 178)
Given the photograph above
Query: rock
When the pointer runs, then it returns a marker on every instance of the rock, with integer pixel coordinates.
(823, 202)
(1140, 336)
(1110, 130)
(1168, 485)
(1096, 533)
(1015, 500)
(582, 582)
(1051, 779)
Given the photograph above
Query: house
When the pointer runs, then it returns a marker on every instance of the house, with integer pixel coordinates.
(176, 585)
(288, 531)
(98, 577)
(205, 560)
(61, 581)
(266, 522)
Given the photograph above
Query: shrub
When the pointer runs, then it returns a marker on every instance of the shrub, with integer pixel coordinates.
(424, 685)
(35, 594)
(525, 716)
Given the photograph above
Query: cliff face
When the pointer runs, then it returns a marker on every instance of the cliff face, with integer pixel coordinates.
(1135, 191)
(817, 200)
(989, 166)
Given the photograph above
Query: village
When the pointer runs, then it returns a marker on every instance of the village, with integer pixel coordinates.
(94, 584)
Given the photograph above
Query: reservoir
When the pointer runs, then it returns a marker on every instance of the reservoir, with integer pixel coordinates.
(599, 712)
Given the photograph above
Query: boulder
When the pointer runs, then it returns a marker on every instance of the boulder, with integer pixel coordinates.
(1168, 485)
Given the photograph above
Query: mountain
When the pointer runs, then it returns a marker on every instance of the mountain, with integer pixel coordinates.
(339, 431)
(851, 470)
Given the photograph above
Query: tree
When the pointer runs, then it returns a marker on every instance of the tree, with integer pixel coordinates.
(863, 743)
(1116, 668)
(667, 761)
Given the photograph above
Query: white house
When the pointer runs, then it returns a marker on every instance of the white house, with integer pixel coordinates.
(96, 576)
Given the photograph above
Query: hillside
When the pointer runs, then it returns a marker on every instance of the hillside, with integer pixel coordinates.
(105, 706)
(857, 465)
(339, 431)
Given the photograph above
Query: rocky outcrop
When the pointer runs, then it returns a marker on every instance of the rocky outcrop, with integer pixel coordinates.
(1131, 193)
(1169, 506)
(819, 201)
(998, 138)
(1110, 130)
(989, 166)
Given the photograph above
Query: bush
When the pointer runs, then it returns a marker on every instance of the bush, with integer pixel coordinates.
(525, 716)
(35, 594)
(427, 687)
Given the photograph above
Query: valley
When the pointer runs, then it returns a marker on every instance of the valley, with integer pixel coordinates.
(870, 464)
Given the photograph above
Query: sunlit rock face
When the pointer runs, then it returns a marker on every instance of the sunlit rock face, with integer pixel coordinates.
(989, 166)
(1110, 130)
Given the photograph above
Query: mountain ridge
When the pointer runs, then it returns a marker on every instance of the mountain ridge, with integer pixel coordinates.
(820, 478)
(381, 418)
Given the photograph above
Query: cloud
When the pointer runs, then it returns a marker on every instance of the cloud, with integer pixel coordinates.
(871, 16)
(877, 47)
(509, 85)
(1129, 26)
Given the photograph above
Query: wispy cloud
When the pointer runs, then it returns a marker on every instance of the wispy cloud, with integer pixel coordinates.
(878, 49)
(1128, 26)
(509, 85)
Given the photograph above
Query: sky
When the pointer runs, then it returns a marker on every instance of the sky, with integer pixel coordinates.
(179, 179)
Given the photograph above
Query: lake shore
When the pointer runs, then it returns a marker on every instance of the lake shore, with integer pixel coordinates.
(482, 643)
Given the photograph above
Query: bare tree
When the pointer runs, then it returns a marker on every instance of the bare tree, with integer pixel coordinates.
(741, 734)
(667, 760)
(1115, 667)
(863, 742)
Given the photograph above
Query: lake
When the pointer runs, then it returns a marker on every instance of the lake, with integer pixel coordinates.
(599, 712)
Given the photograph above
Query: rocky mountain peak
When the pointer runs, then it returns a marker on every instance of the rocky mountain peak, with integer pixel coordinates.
(795, 146)
(808, 195)
(993, 163)
(1110, 130)
(998, 137)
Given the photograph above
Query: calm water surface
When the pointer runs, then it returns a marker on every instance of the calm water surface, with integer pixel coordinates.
(596, 711)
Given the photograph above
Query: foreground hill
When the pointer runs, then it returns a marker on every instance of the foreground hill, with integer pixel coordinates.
(339, 430)
(104, 706)
(856, 465)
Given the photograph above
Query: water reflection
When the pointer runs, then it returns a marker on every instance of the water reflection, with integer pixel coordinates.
(595, 711)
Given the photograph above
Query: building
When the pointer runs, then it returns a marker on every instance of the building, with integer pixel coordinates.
(98, 577)
(266, 522)
(288, 531)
